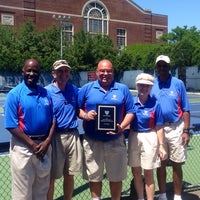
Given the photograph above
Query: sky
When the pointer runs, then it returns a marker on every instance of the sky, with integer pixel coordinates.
(180, 12)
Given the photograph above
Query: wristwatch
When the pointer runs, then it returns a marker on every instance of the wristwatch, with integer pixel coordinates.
(186, 130)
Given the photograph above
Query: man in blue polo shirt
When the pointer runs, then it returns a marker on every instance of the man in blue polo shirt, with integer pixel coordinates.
(172, 96)
(29, 118)
(67, 150)
(105, 147)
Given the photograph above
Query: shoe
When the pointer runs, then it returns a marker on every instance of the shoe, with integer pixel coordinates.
(177, 197)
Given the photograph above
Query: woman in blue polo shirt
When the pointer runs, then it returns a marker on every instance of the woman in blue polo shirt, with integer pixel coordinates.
(145, 142)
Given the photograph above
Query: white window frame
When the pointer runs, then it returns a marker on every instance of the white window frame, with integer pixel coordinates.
(96, 18)
(121, 34)
(159, 33)
(7, 19)
(67, 32)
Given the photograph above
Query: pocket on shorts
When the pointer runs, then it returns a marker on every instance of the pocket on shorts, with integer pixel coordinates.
(44, 166)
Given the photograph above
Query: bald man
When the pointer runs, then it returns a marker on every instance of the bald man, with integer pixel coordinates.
(105, 147)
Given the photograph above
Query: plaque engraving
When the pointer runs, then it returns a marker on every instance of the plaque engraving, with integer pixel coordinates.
(106, 118)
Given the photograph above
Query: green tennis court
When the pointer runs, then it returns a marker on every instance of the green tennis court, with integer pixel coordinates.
(191, 167)
(191, 177)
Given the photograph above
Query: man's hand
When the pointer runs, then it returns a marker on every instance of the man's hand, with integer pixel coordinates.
(185, 139)
(41, 149)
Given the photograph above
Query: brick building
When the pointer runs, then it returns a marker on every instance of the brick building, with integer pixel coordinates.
(125, 21)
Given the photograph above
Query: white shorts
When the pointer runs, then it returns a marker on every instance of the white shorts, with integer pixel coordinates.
(112, 154)
(173, 142)
(143, 150)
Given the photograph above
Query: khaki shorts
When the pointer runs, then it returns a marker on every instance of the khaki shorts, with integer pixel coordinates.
(143, 150)
(112, 154)
(30, 176)
(173, 142)
(66, 154)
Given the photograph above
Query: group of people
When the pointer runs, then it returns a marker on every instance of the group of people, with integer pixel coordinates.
(45, 143)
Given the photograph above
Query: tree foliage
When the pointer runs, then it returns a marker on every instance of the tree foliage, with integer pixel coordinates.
(182, 45)
(7, 50)
(87, 50)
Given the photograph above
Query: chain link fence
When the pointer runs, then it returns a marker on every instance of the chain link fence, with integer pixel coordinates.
(191, 176)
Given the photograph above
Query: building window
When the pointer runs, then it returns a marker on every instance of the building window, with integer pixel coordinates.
(95, 18)
(159, 34)
(121, 38)
(67, 33)
(7, 19)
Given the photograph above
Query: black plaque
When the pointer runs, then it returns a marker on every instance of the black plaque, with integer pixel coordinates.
(106, 118)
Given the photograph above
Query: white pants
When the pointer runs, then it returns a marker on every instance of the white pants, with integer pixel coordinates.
(30, 176)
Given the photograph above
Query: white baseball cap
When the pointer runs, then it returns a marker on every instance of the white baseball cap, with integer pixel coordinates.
(163, 58)
(144, 78)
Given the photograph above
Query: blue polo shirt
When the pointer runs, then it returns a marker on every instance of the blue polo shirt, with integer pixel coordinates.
(147, 115)
(92, 94)
(172, 97)
(29, 110)
(64, 105)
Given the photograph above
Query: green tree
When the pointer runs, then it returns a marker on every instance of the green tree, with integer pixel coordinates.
(123, 62)
(26, 43)
(181, 45)
(7, 50)
(183, 42)
(48, 47)
(87, 50)
(143, 56)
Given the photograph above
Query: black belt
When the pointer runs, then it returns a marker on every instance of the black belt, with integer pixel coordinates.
(170, 123)
(142, 131)
(41, 137)
(66, 130)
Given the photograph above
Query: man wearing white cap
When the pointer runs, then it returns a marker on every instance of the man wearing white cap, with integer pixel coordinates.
(172, 96)
(146, 138)
(66, 146)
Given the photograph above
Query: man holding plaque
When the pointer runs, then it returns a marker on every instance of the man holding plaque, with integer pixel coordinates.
(106, 108)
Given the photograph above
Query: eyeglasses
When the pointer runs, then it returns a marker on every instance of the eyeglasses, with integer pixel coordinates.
(103, 71)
